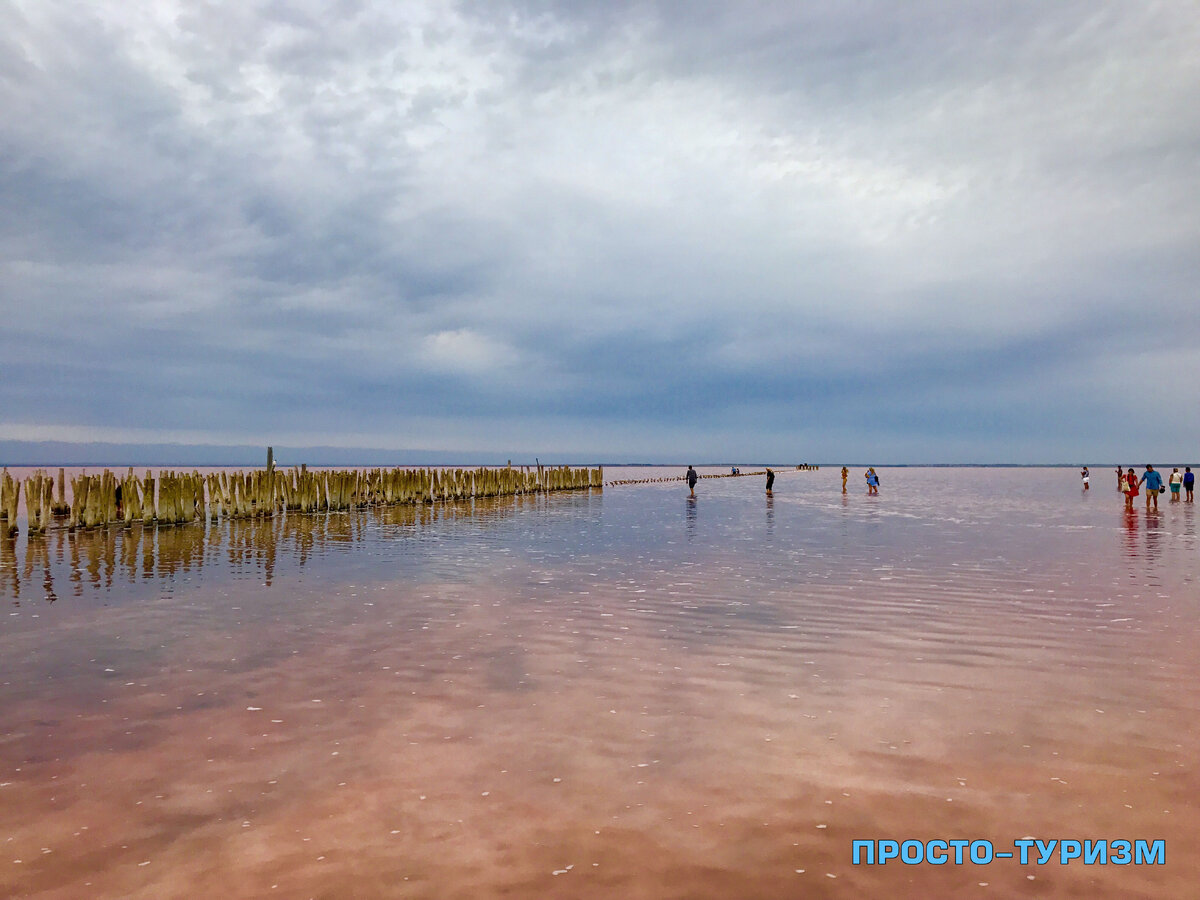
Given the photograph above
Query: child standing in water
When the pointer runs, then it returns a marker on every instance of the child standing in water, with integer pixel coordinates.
(845, 475)
(1086, 476)
(1189, 482)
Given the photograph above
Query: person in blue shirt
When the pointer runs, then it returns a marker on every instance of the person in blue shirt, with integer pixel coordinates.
(872, 481)
(1154, 483)
(1189, 483)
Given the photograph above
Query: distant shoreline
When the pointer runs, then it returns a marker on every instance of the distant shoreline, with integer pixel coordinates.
(53, 454)
(553, 461)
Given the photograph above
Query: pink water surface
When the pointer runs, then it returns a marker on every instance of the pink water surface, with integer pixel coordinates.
(619, 693)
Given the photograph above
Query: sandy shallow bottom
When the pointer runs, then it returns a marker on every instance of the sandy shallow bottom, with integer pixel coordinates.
(485, 712)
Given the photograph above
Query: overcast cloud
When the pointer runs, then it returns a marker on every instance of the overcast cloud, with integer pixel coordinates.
(875, 231)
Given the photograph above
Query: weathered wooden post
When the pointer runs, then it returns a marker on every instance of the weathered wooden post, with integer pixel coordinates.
(61, 507)
(47, 500)
(110, 498)
(162, 506)
(77, 502)
(10, 493)
(92, 504)
(33, 503)
(129, 498)
(199, 511)
(270, 498)
(148, 506)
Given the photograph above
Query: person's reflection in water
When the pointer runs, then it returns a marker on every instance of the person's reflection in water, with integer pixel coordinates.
(1131, 531)
(1153, 535)
(691, 517)
(770, 516)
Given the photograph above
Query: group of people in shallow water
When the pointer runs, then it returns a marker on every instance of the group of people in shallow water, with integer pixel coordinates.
(871, 476)
(1129, 484)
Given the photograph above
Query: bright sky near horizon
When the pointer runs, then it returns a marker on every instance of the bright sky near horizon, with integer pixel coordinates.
(909, 232)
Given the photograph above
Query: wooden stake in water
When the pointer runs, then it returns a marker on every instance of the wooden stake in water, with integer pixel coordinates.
(33, 503)
(148, 504)
(270, 493)
(61, 507)
(10, 493)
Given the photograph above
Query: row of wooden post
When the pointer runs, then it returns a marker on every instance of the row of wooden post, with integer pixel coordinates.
(668, 478)
(174, 498)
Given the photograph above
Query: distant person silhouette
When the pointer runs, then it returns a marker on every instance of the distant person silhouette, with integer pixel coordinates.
(692, 478)
(1086, 476)
(770, 480)
(845, 475)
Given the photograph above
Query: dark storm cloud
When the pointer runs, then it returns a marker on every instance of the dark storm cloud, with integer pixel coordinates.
(924, 231)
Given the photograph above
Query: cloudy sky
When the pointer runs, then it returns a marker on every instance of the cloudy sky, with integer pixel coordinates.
(881, 231)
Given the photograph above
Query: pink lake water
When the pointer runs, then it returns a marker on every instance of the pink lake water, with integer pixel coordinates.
(608, 694)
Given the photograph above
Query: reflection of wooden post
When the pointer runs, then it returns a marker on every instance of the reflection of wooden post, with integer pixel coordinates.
(10, 578)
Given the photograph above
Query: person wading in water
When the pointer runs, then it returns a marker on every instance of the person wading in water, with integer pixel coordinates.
(872, 481)
(1154, 483)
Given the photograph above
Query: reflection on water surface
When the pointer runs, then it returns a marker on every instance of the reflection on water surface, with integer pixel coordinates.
(597, 694)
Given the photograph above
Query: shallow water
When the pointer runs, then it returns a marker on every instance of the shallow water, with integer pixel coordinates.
(617, 693)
